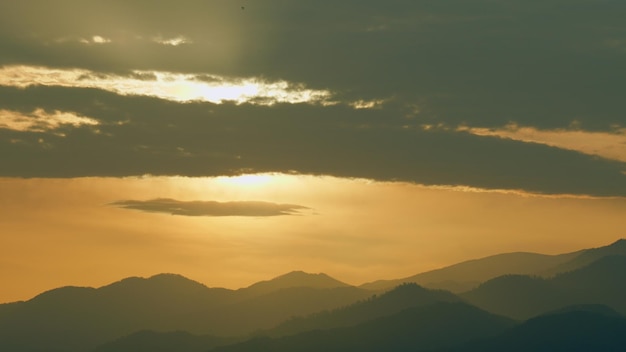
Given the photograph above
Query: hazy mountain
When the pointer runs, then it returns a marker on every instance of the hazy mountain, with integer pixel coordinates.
(268, 310)
(601, 282)
(391, 302)
(587, 257)
(409, 295)
(79, 318)
(571, 330)
(152, 341)
(518, 296)
(414, 329)
(292, 279)
(76, 319)
(592, 308)
(467, 275)
(522, 297)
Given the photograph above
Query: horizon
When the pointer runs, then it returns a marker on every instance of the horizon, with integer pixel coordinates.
(296, 271)
(360, 139)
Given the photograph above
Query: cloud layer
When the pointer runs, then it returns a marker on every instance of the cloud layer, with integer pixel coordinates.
(341, 89)
(210, 208)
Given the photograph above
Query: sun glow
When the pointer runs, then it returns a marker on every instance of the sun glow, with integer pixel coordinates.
(248, 180)
(609, 145)
(173, 86)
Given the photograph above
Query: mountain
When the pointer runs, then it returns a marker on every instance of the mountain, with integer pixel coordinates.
(571, 330)
(405, 296)
(293, 279)
(80, 318)
(522, 297)
(389, 303)
(415, 329)
(518, 296)
(601, 282)
(268, 310)
(152, 341)
(468, 275)
(587, 257)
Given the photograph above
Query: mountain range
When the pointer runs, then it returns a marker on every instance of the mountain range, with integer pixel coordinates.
(511, 295)
(467, 275)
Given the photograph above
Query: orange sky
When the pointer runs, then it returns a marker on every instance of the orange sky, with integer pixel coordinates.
(59, 232)
(418, 115)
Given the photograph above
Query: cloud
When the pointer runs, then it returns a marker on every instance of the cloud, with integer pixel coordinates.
(141, 135)
(269, 89)
(96, 39)
(174, 41)
(603, 144)
(487, 63)
(167, 85)
(210, 208)
(42, 121)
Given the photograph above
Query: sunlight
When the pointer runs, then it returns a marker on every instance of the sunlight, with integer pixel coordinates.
(172, 86)
(247, 180)
(237, 93)
(609, 145)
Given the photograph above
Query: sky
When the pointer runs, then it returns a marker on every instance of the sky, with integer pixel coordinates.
(234, 141)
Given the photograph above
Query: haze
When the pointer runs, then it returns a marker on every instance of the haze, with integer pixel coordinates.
(363, 139)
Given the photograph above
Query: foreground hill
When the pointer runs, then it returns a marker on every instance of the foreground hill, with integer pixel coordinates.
(570, 330)
(402, 297)
(390, 303)
(467, 275)
(439, 325)
(79, 318)
(458, 327)
(522, 297)
(151, 341)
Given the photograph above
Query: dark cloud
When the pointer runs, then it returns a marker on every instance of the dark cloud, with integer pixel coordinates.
(210, 208)
(202, 139)
(481, 63)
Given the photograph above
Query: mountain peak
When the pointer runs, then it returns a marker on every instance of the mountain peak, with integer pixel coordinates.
(299, 274)
(163, 283)
(297, 279)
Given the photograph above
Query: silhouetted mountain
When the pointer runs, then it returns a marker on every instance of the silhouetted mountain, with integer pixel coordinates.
(522, 297)
(469, 274)
(414, 329)
(592, 308)
(79, 318)
(151, 341)
(601, 282)
(292, 279)
(571, 331)
(389, 303)
(268, 310)
(517, 296)
(587, 257)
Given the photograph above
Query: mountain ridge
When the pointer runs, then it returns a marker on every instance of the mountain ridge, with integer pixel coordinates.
(75, 319)
(466, 275)
(521, 296)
